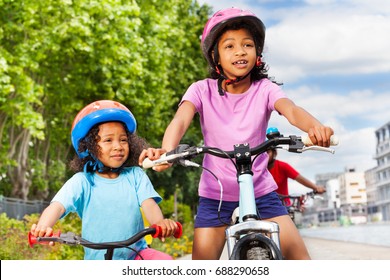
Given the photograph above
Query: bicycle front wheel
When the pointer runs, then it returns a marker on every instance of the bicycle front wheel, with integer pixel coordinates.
(256, 246)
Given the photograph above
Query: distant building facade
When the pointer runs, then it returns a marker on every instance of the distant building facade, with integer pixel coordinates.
(382, 172)
(357, 196)
(353, 196)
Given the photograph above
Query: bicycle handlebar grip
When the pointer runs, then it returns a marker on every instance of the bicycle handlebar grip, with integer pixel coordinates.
(178, 233)
(32, 240)
(334, 140)
(147, 163)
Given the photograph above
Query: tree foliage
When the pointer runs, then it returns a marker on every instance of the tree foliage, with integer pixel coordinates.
(56, 56)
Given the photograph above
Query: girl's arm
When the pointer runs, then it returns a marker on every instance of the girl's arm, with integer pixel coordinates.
(48, 219)
(178, 126)
(300, 118)
(309, 184)
(172, 136)
(154, 216)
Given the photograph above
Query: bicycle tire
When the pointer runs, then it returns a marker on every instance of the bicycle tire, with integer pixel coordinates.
(256, 246)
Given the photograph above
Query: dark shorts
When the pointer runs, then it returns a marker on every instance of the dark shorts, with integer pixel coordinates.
(268, 206)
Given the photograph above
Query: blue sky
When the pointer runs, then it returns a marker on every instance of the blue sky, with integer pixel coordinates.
(333, 57)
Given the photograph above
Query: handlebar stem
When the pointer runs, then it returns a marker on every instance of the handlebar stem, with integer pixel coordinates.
(243, 159)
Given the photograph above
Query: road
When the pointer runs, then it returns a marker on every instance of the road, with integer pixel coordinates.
(362, 242)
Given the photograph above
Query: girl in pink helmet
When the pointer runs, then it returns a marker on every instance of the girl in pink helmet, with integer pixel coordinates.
(234, 106)
(108, 189)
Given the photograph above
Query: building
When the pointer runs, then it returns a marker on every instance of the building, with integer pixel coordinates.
(333, 193)
(357, 197)
(382, 173)
(373, 212)
(353, 196)
(322, 180)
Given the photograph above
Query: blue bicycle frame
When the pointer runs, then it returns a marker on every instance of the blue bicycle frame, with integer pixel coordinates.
(249, 221)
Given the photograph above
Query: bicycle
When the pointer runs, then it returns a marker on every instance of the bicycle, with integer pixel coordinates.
(249, 237)
(71, 238)
(295, 202)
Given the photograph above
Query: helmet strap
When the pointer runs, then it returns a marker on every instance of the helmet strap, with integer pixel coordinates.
(236, 80)
(96, 165)
(258, 61)
(217, 70)
(228, 82)
(220, 89)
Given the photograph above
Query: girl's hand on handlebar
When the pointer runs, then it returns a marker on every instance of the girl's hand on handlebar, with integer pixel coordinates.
(320, 135)
(153, 154)
(42, 231)
(168, 228)
(320, 189)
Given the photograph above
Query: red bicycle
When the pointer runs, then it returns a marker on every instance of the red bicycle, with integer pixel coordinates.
(295, 202)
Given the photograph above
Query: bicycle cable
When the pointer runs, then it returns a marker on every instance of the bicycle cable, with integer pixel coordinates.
(221, 194)
(135, 251)
(219, 182)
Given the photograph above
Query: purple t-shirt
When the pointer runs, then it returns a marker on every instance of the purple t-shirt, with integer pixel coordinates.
(233, 119)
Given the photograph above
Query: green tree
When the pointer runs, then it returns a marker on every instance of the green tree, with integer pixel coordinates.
(56, 56)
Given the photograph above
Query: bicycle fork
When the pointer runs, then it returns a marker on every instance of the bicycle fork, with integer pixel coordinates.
(235, 232)
(248, 219)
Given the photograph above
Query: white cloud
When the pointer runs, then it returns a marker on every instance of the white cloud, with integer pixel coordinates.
(357, 146)
(324, 38)
(329, 40)
(364, 104)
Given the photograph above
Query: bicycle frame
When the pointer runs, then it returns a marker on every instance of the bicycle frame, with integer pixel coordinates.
(250, 230)
(249, 222)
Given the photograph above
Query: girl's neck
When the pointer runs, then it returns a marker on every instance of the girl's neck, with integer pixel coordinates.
(108, 174)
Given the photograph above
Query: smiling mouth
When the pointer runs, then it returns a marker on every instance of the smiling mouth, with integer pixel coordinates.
(240, 62)
(117, 156)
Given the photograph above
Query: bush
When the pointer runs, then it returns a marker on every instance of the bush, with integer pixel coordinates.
(14, 240)
(176, 247)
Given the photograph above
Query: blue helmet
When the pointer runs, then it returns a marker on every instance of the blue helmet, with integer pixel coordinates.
(99, 112)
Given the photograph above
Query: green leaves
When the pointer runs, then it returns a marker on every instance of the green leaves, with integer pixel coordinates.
(56, 56)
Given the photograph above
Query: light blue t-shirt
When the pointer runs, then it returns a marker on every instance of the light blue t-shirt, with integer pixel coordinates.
(109, 209)
(233, 119)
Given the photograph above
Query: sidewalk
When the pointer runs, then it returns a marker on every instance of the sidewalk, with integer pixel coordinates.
(322, 249)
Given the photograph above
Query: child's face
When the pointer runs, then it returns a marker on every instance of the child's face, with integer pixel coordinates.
(113, 144)
(237, 52)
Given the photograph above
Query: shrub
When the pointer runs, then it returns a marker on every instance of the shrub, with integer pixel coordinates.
(176, 247)
(14, 240)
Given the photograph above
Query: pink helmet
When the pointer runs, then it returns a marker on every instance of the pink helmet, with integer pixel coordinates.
(220, 19)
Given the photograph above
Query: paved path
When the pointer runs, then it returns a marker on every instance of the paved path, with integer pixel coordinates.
(322, 249)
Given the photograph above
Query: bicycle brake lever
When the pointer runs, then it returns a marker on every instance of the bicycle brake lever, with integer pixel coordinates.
(187, 163)
(317, 148)
(296, 145)
(69, 238)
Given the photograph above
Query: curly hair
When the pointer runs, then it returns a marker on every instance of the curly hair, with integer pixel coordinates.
(90, 143)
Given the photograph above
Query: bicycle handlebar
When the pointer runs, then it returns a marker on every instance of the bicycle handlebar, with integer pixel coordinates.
(295, 144)
(292, 196)
(72, 239)
(334, 140)
(297, 200)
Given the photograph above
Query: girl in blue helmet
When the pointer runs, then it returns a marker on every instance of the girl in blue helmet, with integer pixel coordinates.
(234, 106)
(108, 189)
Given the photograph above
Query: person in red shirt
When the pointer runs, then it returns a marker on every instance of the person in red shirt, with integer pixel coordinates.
(282, 171)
